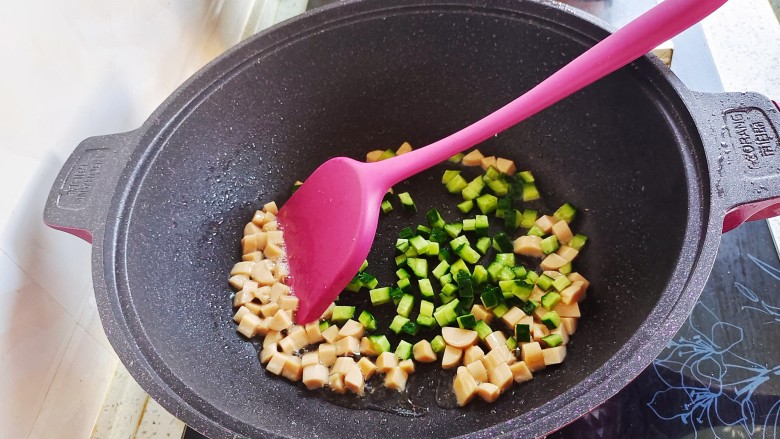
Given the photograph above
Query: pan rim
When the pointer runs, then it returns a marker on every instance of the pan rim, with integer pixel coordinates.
(111, 277)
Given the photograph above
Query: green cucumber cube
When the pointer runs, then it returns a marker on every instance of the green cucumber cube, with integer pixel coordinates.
(528, 218)
(440, 270)
(511, 343)
(459, 265)
(550, 299)
(549, 244)
(523, 333)
(405, 305)
(487, 203)
(427, 321)
(386, 206)
(469, 255)
(466, 206)
(483, 329)
(483, 244)
(367, 320)
(506, 259)
(553, 340)
(432, 249)
(456, 158)
(535, 231)
(530, 192)
(401, 273)
(551, 320)
(503, 243)
(456, 184)
(567, 212)
(449, 289)
(438, 344)
(342, 313)
(446, 279)
(410, 328)
(426, 289)
(380, 296)
(526, 176)
(398, 323)
(404, 350)
(500, 310)
(467, 321)
(426, 308)
(544, 282)
(561, 283)
(454, 229)
(380, 343)
(405, 284)
(407, 202)
(469, 225)
(578, 241)
(448, 175)
(480, 275)
(434, 218)
(532, 276)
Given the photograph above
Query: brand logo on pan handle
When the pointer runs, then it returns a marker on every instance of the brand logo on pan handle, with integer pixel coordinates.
(752, 137)
(76, 189)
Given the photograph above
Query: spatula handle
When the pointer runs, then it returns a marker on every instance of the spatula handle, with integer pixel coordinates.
(637, 38)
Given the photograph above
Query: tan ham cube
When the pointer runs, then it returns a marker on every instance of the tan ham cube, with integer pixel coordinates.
(396, 379)
(327, 354)
(495, 339)
(458, 337)
(270, 207)
(367, 348)
(373, 156)
(474, 158)
(482, 313)
(262, 274)
(423, 352)
(269, 309)
(570, 323)
(292, 368)
(487, 162)
(546, 223)
(574, 277)
(451, 357)
(250, 325)
(280, 321)
(278, 290)
(501, 376)
(253, 257)
(276, 363)
(238, 281)
(242, 311)
(567, 252)
(403, 149)
(253, 307)
(478, 371)
(562, 231)
(268, 352)
(533, 357)
(573, 294)
(310, 358)
(553, 261)
(313, 332)
(554, 355)
(407, 366)
(567, 311)
(315, 376)
(354, 381)
(465, 388)
(267, 227)
(251, 228)
(505, 166)
(263, 294)
(290, 303)
(331, 334)
(529, 245)
(512, 317)
(520, 372)
(472, 354)
(386, 362)
(243, 296)
(274, 237)
(352, 328)
(336, 383)
(489, 392)
(244, 268)
(366, 367)
(347, 346)
(342, 365)
(328, 312)
(254, 243)
(272, 337)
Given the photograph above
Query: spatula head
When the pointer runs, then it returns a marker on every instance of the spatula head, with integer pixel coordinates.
(329, 224)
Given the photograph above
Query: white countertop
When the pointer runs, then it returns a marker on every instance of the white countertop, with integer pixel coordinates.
(78, 68)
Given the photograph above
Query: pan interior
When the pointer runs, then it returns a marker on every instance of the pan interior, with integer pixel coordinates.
(412, 75)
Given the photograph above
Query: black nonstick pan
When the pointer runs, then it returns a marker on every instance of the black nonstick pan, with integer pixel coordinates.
(653, 167)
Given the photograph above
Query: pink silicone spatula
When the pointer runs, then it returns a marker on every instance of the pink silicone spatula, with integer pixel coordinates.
(330, 221)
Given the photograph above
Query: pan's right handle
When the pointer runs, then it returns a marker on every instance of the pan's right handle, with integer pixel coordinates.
(80, 196)
(742, 139)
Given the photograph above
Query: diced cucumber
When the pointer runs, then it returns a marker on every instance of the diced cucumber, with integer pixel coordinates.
(567, 212)
(523, 289)
(445, 316)
(440, 270)
(565, 269)
(500, 310)
(491, 174)
(426, 289)
(324, 325)
(438, 344)
(491, 297)
(467, 321)
(494, 269)
(487, 203)
(410, 328)
(456, 184)
(549, 244)
(446, 279)
(342, 313)
(404, 350)
(506, 273)
(578, 241)
(457, 158)
(363, 266)
(480, 275)
(551, 320)
(511, 343)
(483, 329)
(511, 221)
(398, 323)
(395, 295)
(426, 308)
(434, 218)
(449, 289)
(535, 231)
(502, 243)
(506, 259)
(354, 285)
(544, 282)
(423, 231)
(438, 235)
(419, 243)
(388, 154)
(380, 296)
(367, 320)
(419, 267)
(459, 243)
(481, 226)
(466, 206)
(448, 175)
(459, 265)
(380, 343)
(445, 298)
(553, 340)
(405, 284)
(528, 307)
(368, 280)
(504, 204)
(453, 229)
(402, 244)
(550, 299)
(530, 192)
(483, 244)
(561, 283)
(499, 187)
(406, 233)
(473, 189)
(400, 260)
(526, 176)
(523, 333)
(468, 254)
(532, 276)
(411, 252)
(445, 255)
(386, 206)
(426, 321)
(407, 202)
(465, 286)
(469, 224)
(401, 273)
(519, 271)
(529, 218)
(405, 305)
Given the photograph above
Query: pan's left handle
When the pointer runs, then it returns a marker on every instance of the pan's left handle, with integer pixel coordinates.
(80, 196)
